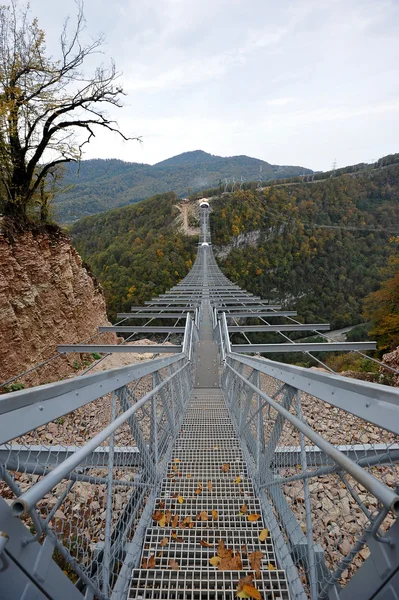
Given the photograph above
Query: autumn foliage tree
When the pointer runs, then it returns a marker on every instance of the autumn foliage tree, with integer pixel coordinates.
(49, 108)
(382, 307)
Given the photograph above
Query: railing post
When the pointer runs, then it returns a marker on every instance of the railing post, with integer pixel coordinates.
(155, 430)
(106, 570)
(308, 508)
(260, 427)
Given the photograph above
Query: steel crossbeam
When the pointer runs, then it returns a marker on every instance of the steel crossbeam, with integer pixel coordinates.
(108, 348)
(293, 327)
(143, 329)
(303, 347)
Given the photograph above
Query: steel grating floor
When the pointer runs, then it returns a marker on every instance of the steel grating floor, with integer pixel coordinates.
(200, 501)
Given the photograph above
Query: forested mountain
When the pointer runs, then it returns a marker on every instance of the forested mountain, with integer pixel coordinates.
(137, 251)
(319, 246)
(98, 185)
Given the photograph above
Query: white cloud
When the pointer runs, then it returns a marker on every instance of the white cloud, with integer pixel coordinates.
(300, 81)
(280, 101)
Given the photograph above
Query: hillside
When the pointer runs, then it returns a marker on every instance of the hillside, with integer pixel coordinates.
(47, 297)
(100, 185)
(317, 247)
(136, 251)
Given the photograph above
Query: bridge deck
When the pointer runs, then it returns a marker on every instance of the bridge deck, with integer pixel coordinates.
(206, 511)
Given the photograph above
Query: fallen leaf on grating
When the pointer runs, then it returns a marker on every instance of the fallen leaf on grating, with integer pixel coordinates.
(158, 515)
(225, 467)
(255, 559)
(202, 516)
(164, 542)
(215, 561)
(253, 517)
(231, 563)
(249, 591)
(175, 521)
(237, 480)
(205, 544)
(243, 510)
(168, 516)
(162, 521)
(174, 564)
(148, 563)
(177, 539)
(180, 499)
(223, 552)
(263, 535)
(209, 486)
(245, 588)
(215, 514)
(271, 567)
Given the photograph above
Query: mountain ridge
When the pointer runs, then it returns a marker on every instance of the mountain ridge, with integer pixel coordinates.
(97, 185)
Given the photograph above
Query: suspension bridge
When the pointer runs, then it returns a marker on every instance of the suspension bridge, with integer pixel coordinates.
(208, 472)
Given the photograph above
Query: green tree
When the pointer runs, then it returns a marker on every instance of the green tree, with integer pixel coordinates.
(49, 109)
(382, 308)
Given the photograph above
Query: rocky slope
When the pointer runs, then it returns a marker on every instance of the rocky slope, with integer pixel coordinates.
(47, 297)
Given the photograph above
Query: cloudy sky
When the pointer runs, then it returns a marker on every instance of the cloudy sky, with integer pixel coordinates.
(288, 81)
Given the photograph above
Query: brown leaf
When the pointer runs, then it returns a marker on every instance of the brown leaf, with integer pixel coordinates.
(244, 550)
(249, 591)
(243, 510)
(148, 563)
(174, 565)
(209, 486)
(168, 517)
(175, 495)
(161, 504)
(157, 516)
(177, 539)
(205, 544)
(199, 489)
(225, 467)
(255, 559)
(223, 552)
(253, 517)
(202, 516)
(175, 521)
(164, 542)
(162, 521)
(215, 514)
(248, 579)
(186, 521)
(231, 563)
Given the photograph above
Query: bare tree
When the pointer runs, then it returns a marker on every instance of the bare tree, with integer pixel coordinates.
(46, 104)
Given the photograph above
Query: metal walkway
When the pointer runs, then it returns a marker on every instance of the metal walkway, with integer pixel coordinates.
(202, 473)
(207, 521)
